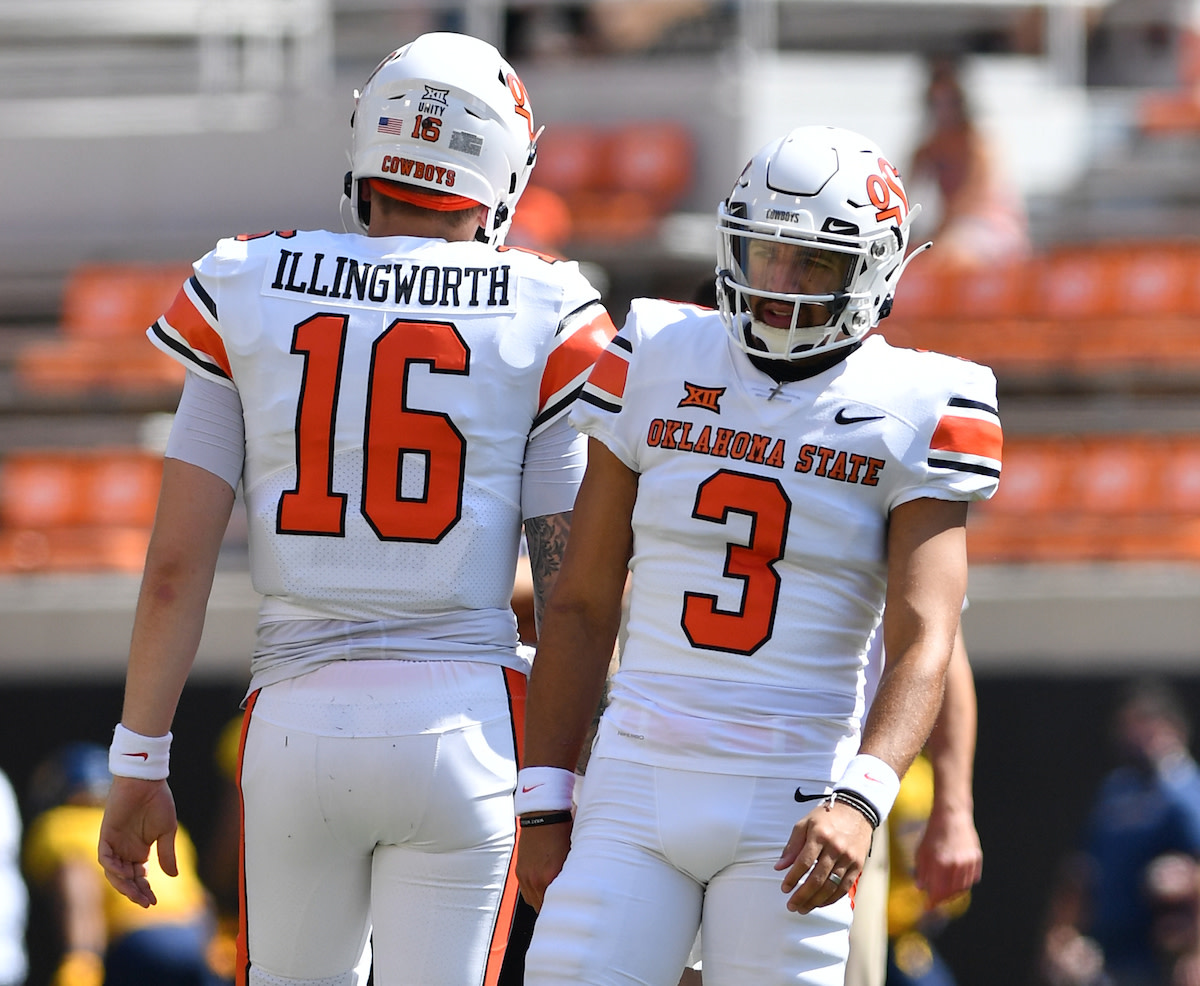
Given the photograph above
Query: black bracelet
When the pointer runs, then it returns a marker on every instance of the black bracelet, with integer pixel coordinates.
(545, 818)
(858, 802)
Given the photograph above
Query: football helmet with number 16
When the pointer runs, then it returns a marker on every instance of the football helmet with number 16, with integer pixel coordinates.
(444, 114)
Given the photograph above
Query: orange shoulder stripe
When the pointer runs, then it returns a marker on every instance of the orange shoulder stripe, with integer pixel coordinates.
(575, 355)
(968, 435)
(610, 373)
(184, 318)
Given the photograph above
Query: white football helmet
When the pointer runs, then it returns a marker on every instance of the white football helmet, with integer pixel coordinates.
(447, 113)
(813, 240)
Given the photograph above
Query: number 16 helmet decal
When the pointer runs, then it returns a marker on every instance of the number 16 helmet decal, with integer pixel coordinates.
(445, 113)
(813, 240)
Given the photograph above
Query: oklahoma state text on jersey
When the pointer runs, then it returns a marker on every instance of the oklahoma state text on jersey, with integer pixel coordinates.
(761, 519)
(390, 385)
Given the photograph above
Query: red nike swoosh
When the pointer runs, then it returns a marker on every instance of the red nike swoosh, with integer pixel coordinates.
(870, 778)
(144, 756)
(526, 790)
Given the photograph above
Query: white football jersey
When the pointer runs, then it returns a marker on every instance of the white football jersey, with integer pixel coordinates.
(760, 527)
(389, 388)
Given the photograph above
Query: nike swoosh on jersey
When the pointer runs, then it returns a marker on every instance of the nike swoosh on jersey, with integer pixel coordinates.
(843, 418)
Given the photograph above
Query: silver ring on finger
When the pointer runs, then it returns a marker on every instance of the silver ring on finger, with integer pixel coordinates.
(834, 879)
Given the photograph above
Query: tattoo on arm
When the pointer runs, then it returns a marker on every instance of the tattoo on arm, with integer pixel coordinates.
(547, 538)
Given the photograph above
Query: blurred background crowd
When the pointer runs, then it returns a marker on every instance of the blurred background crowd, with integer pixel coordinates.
(1055, 147)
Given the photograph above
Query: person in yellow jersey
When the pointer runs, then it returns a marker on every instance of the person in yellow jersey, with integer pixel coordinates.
(106, 938)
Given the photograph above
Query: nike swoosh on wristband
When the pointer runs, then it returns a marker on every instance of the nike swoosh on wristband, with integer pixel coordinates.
(843, 419)
(144, 756)
(526, 790)
(873, 780)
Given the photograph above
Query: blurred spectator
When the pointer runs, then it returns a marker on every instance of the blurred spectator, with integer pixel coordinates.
(106, 938)
(549, 30)
(1124, 911)
(927, 854)
(977, 217)
(912, 921)
(14, 898)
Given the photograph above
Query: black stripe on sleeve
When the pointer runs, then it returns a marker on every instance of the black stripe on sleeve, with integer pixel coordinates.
(204, 296)
(183, 351)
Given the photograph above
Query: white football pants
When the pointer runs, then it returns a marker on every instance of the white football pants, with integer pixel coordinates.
(657, 854)
(378, 800)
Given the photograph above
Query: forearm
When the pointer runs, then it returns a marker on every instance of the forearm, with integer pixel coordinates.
(567, 683)
(904, 709)
(193, 510)
(582, 617)
(951, 746)
(927, 574)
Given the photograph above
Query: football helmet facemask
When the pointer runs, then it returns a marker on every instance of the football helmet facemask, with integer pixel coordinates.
(812, 242)
(445, 113)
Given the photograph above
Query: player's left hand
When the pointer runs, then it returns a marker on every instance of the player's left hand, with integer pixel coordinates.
(137, 815)
(831, 839)
(541, 852)
(949, 858)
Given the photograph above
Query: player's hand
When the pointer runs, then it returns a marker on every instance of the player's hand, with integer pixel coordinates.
(541, 852)
(949, 858)
(830, 839)
(138, 814)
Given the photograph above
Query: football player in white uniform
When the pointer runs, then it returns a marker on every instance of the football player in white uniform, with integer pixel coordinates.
(394, 406)
(770, 479)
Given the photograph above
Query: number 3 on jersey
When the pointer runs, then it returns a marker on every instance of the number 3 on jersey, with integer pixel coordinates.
(393, 433)
(763, 500)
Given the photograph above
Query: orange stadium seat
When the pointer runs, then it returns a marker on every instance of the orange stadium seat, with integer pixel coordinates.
(1179, 482)
(613, 217)
(1077, 283)
(997, 292)
(77, 509)
(1036, 477)
(120, 487)
(74, 549)
(80, 365)
(107, 301)
(1191, 265)
(1117, 474)
(923, 293)
(1152, 279)
(1098, 498)
(1169, 112)
(40, 488)
(651, 158)
(569, 159)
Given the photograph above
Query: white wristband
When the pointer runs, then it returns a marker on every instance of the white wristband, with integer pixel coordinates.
(873, 779)
(543, 789)
(134, 755)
